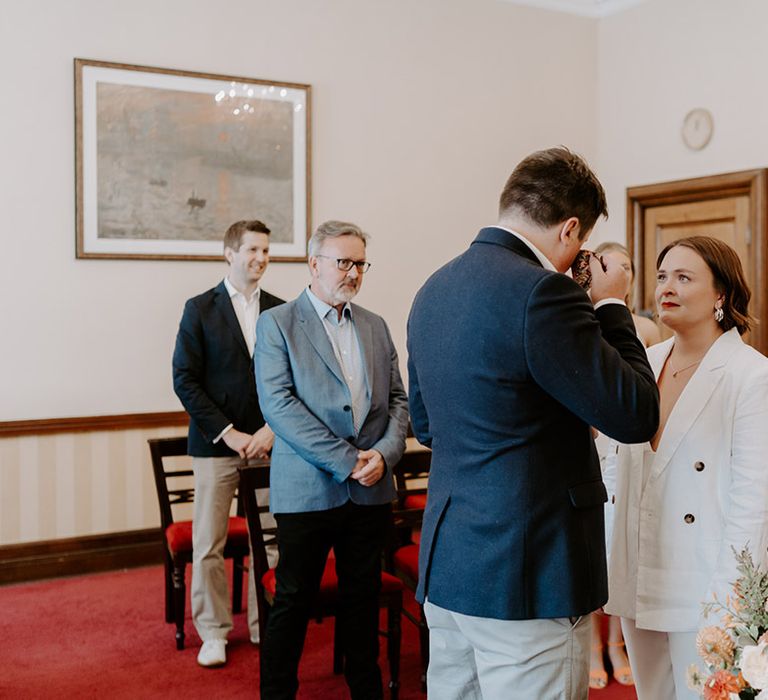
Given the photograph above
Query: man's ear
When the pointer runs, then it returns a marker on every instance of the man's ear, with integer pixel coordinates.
(570, 229)
(228, 253)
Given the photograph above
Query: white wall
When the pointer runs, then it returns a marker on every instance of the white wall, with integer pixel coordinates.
(659, 60)
(420, 110)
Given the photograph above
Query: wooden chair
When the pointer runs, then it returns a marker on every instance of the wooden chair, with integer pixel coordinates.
(174, 489)
(402, 556)
(255, 477)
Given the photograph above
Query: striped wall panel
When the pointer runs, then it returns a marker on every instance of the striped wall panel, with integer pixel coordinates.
(70, 484)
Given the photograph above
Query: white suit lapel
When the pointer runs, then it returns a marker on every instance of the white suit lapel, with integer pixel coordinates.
(694, 397)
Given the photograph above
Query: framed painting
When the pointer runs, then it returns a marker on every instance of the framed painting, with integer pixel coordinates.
(167, 160)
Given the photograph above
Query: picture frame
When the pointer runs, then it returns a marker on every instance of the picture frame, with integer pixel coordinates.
(166, 160)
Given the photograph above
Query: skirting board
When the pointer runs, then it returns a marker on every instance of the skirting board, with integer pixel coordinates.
(31, 561)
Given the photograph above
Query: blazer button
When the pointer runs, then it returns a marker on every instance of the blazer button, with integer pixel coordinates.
(699, 466)
(689, 518)
(347, 408)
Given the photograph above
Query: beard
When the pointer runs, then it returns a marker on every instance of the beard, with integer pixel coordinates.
(344, 293)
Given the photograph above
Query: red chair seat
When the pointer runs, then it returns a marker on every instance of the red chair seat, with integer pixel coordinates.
(329, 584)
(179, 535)
(416, 501)
(406, 559)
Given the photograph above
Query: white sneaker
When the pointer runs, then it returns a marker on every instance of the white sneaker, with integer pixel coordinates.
(213, 653)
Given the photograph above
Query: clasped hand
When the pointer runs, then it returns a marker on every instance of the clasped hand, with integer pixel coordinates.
(369, 467)
(256, 446)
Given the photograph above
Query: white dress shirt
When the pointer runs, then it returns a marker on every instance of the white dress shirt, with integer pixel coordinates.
(247, 312)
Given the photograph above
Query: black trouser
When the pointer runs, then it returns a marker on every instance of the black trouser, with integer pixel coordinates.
(356, 534)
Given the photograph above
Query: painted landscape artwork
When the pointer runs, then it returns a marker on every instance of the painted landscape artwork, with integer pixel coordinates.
(168, 160)
(180, 165)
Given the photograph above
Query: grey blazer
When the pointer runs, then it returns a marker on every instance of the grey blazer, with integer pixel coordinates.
(306, 402)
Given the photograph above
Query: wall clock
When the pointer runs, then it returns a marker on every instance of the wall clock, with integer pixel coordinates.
(698, 126)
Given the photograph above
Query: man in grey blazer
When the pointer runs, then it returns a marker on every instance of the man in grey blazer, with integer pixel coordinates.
(329, 386)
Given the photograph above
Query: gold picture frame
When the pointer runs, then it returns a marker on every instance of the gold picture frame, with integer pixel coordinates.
(167, 159)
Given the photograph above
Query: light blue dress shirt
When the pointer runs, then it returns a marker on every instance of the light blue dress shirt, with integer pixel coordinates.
(346, 347)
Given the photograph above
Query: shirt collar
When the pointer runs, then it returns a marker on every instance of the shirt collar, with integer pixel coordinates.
(543, 259)
(233, 291)
(323, 309)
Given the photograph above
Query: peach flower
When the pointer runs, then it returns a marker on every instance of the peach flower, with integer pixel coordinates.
(720, 685)
(715, 646)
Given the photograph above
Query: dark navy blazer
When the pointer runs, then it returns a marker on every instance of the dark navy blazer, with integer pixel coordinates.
(509, 366)
(213, 372)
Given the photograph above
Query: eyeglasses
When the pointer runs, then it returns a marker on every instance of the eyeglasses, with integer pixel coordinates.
(345, 264)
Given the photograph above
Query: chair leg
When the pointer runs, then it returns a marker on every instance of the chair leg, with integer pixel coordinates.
(394, 611)
(169, 617)
(238, 571)
(338, 653)
(179, 602)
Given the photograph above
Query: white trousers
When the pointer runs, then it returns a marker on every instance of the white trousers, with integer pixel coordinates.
(660, 661)
(478, 658)
(216, 480)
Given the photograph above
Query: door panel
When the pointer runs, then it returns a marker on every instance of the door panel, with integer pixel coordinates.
(726, 219)
(732, 207)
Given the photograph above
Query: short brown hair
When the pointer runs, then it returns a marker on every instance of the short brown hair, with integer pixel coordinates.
(728, 272)
(550, 186)
(234, 235)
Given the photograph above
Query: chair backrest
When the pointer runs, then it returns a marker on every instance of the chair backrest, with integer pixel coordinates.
(254, 479)
(411, 475)
(168, 494)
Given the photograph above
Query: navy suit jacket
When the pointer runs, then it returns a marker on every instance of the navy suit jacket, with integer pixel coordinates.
(509, 366)
(213, 372)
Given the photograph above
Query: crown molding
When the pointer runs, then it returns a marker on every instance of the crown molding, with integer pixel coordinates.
(583, 8)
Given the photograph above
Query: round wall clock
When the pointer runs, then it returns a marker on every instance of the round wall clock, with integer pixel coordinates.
(698, 126)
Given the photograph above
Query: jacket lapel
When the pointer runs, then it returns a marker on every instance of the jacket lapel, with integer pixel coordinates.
(267, 301)
(312, 326)
(224, 305)
(694, 397)
(365, 336)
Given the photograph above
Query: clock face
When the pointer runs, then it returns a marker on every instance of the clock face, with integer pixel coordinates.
(697, 128)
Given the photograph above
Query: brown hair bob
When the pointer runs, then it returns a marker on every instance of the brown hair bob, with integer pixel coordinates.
(728, 272)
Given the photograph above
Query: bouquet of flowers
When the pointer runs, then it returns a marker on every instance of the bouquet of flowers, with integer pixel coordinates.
(736, 652)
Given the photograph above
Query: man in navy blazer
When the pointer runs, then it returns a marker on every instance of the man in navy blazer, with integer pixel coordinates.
(213, 376)
(330, 388)
(510, 364)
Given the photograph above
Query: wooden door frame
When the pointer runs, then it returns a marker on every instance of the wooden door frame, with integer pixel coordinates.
(753, 183)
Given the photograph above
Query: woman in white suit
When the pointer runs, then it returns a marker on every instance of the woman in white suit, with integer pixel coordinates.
(700, 487)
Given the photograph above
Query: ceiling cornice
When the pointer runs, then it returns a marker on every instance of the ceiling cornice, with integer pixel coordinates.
(582, 8)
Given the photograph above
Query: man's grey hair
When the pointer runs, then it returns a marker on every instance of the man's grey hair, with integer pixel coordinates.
(334, 229)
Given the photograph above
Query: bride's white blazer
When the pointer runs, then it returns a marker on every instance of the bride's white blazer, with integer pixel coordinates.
(707, 492)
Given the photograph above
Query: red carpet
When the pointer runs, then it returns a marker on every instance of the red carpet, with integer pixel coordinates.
(104, 635)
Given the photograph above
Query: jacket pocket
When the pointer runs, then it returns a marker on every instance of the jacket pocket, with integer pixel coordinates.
(588, 495)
